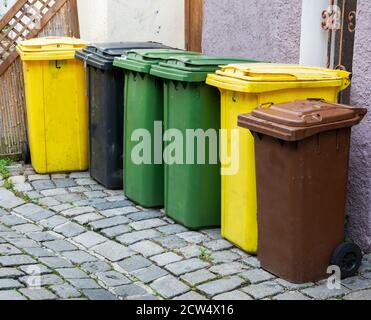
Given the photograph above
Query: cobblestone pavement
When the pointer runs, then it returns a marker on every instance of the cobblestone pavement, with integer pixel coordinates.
(87, 242)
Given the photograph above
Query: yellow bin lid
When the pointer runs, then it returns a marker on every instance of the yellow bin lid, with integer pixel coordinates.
(50, 48)
(265, 77)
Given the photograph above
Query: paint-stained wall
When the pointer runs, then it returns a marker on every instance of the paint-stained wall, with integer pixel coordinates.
(128, 20)
(254, 29)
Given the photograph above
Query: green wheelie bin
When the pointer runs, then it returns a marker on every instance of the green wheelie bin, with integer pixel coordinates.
(144, 180)
(191, 139)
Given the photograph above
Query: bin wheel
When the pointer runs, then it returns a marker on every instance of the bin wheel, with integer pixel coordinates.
(348, 257)
(26, 155)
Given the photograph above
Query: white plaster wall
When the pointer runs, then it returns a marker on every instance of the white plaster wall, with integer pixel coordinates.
(133, 20)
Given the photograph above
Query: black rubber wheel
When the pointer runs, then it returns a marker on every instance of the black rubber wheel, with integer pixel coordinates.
(26, 155)
(348, 257)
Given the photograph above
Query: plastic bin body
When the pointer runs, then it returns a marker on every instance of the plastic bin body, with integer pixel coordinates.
(144, 99)
(192, 189)
(301, 189)
(56, 104)
(241, 94)
(106, 109)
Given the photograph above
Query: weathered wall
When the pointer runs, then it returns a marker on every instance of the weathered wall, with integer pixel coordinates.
(253, 29)
(128, 20)
(359, 206)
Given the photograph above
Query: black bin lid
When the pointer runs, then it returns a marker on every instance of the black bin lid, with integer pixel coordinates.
(101, 55)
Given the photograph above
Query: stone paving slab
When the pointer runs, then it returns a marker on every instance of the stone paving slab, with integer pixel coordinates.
(76, 240)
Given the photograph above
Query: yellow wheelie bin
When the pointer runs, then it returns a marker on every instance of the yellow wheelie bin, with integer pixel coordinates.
(57, 110)
(243, 88)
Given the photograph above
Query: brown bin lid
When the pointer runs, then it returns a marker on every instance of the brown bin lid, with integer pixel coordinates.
(300, 119)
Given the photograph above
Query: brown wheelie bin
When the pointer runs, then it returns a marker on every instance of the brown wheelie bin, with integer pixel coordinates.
(302, 154)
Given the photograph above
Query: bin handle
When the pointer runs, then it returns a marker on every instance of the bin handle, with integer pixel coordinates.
(265, 105)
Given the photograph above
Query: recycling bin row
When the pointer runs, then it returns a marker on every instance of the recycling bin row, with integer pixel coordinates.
(170, 128)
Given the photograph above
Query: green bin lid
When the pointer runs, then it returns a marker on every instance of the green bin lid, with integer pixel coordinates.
(141, 60)
(192, 68)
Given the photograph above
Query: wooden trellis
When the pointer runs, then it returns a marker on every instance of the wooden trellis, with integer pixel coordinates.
(25, 20)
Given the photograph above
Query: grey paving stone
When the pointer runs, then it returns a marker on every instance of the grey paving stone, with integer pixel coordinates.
(171, 242)
(48, 201)
(149, 274)
(54, 192)
(17, 179)
(33, 195)
(147, 297)
(136, 236)
(192, 251)
(56, 262)
(43, 236)
(113, 251)
(85, 181)
(366, 266)
(70, 229)
(87, 218)
(291, 295)
(65, 291)
(293, 286)
(113, 205)
(10, 273)
(217, 245)
(172, 229)
(10, 261)
(23, 187)
(186, 266)
(116, 231)
(11, 203)
(169, 287)
(99, 294)
(28, 209)
(198, 277)
(11, 295)
(193, 237)
(130, 290)
(263, 290)
(252, 262)
(220, 286)
(89, 239)
(84, 283)
(35, 269)
(60, 245)
(257, 275)
(115, 198)
(41, 185)
(8, 249)
(224, 257)
(27, 228)
(190, 296)
(233, 295)
(109, 222)
(356, 283)
(57, 176)
(45, 280)
(12, 220)
(61, 207)
(73, 212)
(6, 284)
(94, 194)
(79, 257)
(119, 211)
(38, 294)
(88, 203)
(96, 266)
(41, 215)
(147, 224)
(144, 215)
(321, 292)
(24, 243)
(228, 269)
(72, 273)
(68, 198)
(147, 248)
(77, 189)
(36, 177)
(65, 183)
(39, 252)
(5, 194)
(79, 175)
(134, 263)
(53, 222)
(166, 258)
(364, 295)
(112, 278)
